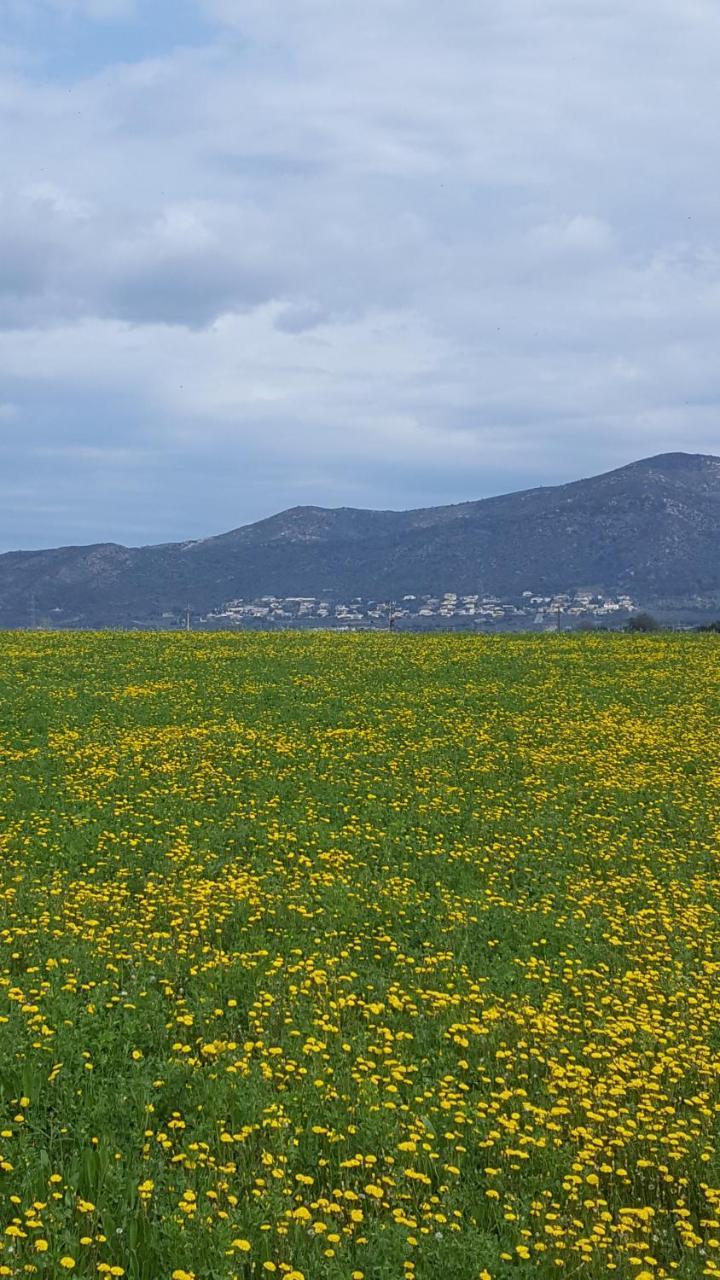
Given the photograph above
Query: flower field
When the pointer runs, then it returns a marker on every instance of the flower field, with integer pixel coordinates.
(359, 957)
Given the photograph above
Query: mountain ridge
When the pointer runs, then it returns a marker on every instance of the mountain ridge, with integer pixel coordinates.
(652, 526)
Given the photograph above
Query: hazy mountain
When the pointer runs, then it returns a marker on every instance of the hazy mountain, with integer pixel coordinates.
(651, 528)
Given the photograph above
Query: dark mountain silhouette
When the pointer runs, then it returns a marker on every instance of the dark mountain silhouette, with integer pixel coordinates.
(651, 529)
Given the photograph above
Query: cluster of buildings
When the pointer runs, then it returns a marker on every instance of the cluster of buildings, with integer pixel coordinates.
(528, 610)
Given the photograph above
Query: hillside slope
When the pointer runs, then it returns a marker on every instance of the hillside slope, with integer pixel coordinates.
(651, 528)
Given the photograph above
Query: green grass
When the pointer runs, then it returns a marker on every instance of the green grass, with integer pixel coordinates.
(370, 955)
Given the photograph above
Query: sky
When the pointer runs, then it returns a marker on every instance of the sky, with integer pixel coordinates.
(381, 254)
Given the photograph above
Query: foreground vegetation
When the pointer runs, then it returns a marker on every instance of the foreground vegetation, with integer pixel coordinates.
(363, 956)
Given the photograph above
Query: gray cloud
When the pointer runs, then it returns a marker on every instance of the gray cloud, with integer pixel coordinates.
(336, 247)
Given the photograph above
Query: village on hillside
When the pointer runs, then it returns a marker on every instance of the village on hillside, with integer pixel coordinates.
(529, 610)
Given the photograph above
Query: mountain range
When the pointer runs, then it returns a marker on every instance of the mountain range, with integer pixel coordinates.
(651, 529)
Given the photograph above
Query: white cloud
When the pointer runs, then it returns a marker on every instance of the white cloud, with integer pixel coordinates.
(459, 234)
(581, 235)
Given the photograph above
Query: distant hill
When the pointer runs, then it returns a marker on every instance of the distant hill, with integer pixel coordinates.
(651, 529)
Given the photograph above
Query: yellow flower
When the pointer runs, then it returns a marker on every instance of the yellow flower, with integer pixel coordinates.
(41, 1246)
(243, 1245)
(67, 1263)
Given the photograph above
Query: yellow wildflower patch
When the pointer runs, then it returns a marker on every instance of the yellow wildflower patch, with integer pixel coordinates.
(357, 955)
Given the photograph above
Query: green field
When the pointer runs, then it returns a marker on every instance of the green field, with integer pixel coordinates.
(359, 956)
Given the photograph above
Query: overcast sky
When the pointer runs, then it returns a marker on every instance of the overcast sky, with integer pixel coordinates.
(385, 253)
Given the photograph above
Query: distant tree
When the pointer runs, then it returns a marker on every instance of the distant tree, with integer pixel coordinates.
(643, 622)
(710, 626)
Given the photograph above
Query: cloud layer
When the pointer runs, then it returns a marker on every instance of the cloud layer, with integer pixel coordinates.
(389, 254)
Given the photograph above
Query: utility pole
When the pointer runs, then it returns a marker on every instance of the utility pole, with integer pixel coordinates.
(391, 615)
(33, 612)
(187, 618)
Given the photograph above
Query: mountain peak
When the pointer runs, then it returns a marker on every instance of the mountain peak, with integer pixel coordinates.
(673, 462)
(651, 527)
